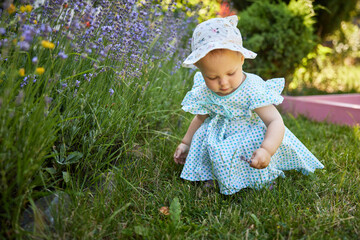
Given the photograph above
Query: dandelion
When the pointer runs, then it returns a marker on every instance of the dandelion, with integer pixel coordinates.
(111, 91)
(28, 8)
(47, 44)
(40, 70)
(22, 72)
(35, 22)
(22, 9)
(11, 9)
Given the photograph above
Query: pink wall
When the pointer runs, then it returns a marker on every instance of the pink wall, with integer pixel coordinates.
(335, 108)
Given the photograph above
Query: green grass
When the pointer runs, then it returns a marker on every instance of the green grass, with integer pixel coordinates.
(323, 205)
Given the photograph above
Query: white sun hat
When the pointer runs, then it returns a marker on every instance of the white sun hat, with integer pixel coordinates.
(216, 33)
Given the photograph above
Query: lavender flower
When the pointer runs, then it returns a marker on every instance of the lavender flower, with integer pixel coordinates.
(24, 45)
(131, 36)
(45, 28)
(62, 55)
(24, 82)
(34, 60)
(48, 100)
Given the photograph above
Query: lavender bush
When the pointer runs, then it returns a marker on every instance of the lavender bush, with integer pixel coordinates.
(80, 83)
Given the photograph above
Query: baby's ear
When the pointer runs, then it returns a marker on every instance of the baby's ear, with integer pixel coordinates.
(242, 58)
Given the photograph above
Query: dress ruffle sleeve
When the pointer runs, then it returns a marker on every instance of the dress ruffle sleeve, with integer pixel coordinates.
(195, 100)
(267, 92)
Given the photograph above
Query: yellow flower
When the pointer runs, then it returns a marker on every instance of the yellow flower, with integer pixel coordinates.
(11, 9)
(14, 41)
(28, 8)
(22, 9)
(40, 70)
(47, 44)
(35, 22)
(22, 72)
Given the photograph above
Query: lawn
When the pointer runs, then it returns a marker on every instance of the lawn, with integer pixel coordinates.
(95, 117)
(323, 205)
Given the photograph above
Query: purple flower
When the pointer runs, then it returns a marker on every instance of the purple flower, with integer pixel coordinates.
(24, 45)
(2, 31)
(45, 28)
(111, 91)
(28, 35)
(64, 85)
(77, 83)
(62, 55)
(24, 82)
(34, 60)
(48, 100)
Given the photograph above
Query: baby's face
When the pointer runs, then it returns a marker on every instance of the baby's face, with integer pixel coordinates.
(222, 71)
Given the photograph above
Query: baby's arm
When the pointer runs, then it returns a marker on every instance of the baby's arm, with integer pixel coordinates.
(183, 148)
(273, 136)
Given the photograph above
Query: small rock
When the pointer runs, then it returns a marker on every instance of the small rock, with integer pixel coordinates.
(44, 212)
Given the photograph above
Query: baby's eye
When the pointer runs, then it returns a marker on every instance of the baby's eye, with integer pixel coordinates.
(230, 74)
(211, 78)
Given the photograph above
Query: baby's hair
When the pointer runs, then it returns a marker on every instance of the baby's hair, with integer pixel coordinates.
(217, 52)
(220, 51)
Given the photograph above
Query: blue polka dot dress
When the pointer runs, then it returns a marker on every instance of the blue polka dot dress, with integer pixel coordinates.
(234, 131)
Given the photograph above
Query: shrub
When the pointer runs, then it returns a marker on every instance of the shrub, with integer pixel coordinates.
(281, 35)
(328, 13)
(77, 82)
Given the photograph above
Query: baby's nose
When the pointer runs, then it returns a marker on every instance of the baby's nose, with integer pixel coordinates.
(223, 81)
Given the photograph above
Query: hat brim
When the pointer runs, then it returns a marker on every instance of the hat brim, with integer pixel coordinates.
(206, 48)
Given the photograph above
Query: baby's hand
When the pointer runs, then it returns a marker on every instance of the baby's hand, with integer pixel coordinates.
(260, 158)
(181, 153)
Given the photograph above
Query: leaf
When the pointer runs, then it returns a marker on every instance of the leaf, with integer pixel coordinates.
(175, 211)
(66, 176)
(52, 171)
(164, 210)
(141, 230)
(74, 157)
(257, 221)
